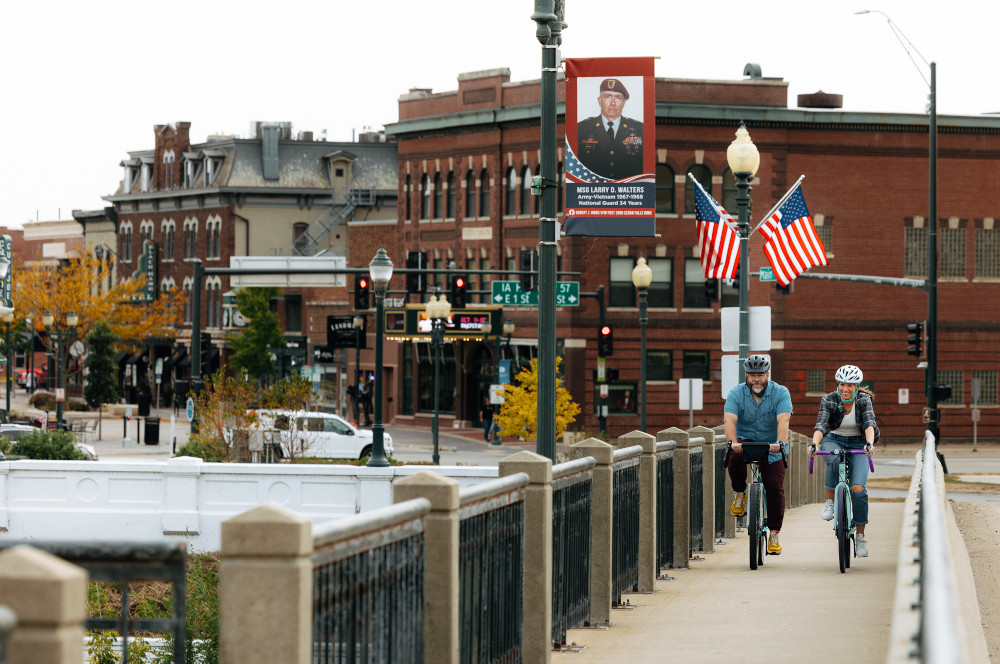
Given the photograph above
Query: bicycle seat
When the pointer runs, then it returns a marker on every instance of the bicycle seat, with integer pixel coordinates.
(755, 452)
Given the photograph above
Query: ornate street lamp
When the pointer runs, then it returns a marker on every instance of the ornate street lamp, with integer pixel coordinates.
(438, 309)
(381, 272)
(642, 277)
(744, 159)
(48, 320)
(359, 323)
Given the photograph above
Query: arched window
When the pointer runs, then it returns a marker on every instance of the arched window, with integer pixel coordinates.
(664, 189)
(704, 176)
(484, 193)
(526, 191)
(729, 191)
(425, 197)
(438, 197)
(510, 194)
(449, 212)
(470, 195)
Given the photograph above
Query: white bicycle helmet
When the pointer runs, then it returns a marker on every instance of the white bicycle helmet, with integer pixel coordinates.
(756, 364)
(849, 374)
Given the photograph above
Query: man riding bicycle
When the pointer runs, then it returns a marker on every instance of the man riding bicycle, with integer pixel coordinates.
(759, 411)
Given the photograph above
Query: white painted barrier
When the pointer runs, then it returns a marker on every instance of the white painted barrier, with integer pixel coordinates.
(185, 498)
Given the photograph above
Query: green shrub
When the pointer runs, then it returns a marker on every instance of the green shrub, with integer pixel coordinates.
(77, 404)
(207, 448)
(50, 445)
(43, 401)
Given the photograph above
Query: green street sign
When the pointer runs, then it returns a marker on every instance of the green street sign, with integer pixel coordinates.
(766, 274)
(509, 293)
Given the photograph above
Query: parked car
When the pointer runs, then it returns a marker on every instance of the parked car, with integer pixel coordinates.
(15, 431)
(40, 374)
(312, 434)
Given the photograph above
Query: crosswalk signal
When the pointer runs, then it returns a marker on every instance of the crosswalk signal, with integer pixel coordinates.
(605, 341)
(915, 339)
(529, 264)
(362, 290)
(458, 285)
(712, 289)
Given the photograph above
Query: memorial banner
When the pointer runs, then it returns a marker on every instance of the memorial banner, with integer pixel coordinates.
(610, 168)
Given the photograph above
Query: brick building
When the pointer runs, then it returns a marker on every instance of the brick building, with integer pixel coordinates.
(271, 194)
(465, 157)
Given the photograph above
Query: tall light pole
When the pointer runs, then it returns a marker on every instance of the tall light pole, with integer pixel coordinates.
(744, 159)
(508, 330)
(381, 272)
(438, 309)
(359, 323)
(930, 377)
(642, 277)
(8, 319)
(487, 328)
(548, 15)
(48, 320)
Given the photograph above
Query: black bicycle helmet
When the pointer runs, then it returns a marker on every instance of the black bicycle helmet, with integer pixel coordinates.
(756, 364)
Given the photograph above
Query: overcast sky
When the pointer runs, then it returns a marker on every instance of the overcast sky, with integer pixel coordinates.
(84, 82)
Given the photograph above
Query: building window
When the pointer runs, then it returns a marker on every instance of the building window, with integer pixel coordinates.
(438, 197)
(987, 381)
(694, 286)
(407, 192)
(621, 292)
(168, 169)
(696, 364)
(953, 252)
(214, 229)
(510, 194)
(915, 253)
(449, 212)
(145, 232)
(484, 193)
(293, 313)
(620, 400)
(425, 197)
(664, 189)
(661, 291)
(702, 175)
(988, 253)
(526, 191)
(190, 238)
(125, 233)
(816, 381)
(659, 365)
(470, 195)
(187, 300)
(167, 229)
(953, 378)
(825, 233)
(299, 235)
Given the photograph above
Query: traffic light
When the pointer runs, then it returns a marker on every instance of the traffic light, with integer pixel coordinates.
(416, 282)
(942, 392)
(612, 375)
(712, 289)
(458, 285)
(605, 341)
(915, 339)
(529, 263)
(362, 290)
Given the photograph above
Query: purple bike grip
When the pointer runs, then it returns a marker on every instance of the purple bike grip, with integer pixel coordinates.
(871, 464)
(811, 464)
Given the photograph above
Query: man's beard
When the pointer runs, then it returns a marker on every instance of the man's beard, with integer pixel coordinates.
(758, 388)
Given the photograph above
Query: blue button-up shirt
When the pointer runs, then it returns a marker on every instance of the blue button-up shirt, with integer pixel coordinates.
(758, 421)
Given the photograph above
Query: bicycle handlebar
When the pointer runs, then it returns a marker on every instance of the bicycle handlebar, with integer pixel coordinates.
(871, 464)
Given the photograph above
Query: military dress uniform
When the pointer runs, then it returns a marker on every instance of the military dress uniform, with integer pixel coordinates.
(619, 159)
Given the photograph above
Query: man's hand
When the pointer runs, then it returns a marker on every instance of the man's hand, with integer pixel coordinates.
(774, 447)
(737, 446)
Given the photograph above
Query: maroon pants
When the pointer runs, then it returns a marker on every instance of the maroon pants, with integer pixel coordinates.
(773, 477)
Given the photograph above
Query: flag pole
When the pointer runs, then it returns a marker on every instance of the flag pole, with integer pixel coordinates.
(778, 204)
(709, 196)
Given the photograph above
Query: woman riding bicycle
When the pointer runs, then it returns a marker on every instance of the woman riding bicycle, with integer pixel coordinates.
(847, 421)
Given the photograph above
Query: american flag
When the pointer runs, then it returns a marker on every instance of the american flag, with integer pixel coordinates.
(720, 245)
(791, 243)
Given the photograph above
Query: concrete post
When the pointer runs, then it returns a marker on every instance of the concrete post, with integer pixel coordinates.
(790, 472)
(266, 572)
(801, 470)
(441, 567)
(708, 486)
(602, 513)
(49, 597)
(537, 614)
(682, 494)
(647, 506)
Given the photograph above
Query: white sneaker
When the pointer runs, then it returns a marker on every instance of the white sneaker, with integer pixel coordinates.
(860, 546)
(827, 512)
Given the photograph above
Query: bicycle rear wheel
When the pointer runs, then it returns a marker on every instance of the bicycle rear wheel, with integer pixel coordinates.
(843, 540)
(754, 524)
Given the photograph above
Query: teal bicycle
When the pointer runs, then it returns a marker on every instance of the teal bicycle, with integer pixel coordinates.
(756, 511)
(843, 512)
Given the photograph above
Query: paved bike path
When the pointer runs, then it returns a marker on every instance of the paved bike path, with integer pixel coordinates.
(797, 607)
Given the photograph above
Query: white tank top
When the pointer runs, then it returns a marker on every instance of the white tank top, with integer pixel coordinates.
(849, 427)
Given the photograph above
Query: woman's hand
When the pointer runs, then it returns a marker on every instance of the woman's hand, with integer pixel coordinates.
(870, 449)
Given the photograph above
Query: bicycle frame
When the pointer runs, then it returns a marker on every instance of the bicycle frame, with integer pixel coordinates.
(843, 510)
(756, 509)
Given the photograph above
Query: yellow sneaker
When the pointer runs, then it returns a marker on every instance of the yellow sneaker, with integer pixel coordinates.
(773, 547)
(739, 507)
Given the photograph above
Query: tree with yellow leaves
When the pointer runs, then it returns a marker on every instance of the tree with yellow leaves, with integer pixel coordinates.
(518, 414)
(71, 287)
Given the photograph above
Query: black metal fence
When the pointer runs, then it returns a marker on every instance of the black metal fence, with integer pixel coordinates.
(720, 491)
(125, 563)
(491, 571)
(572, 512)
(664, 505)
(625, 524)
(697, 500)
(368, 586)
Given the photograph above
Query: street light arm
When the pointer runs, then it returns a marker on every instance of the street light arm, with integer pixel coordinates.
(904, 41)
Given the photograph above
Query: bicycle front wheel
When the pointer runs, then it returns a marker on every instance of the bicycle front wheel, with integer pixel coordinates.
(754, 524)
(843, 540)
